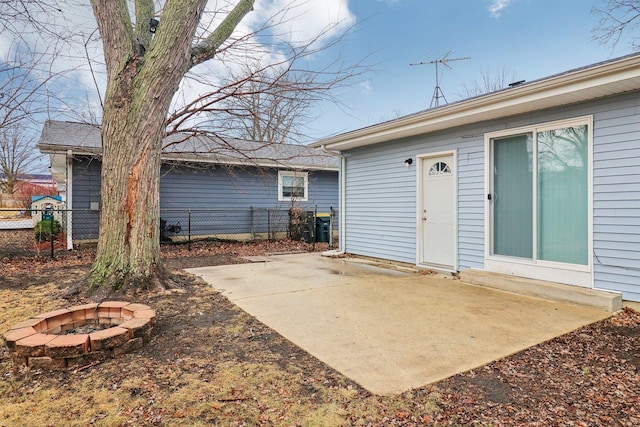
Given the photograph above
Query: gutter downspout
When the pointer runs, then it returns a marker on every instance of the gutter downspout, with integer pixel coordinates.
(343, 207)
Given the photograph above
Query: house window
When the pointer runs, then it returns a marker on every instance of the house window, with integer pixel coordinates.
(293, 186)
(540, 193)
(440, 168)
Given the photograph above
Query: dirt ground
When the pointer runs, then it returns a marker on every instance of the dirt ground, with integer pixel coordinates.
(209, 363)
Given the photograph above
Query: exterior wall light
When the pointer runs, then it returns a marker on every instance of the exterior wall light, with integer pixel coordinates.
(408, 162)
(153, 25)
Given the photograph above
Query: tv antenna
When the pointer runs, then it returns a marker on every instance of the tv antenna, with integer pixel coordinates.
(437, 92)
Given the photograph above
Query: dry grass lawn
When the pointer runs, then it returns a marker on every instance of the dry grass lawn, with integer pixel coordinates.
(209, 363)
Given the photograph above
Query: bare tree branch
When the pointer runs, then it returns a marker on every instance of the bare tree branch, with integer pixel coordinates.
(207, 48)
(17, 157)
(489, 81)
(617, 19)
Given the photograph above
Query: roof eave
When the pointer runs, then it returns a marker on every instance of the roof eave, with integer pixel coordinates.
(84, 151)
(601, 80)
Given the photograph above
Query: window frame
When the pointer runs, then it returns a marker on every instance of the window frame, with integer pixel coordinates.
(293, 174)
(534, 267)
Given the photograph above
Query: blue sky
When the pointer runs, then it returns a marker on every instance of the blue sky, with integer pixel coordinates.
(531, 39)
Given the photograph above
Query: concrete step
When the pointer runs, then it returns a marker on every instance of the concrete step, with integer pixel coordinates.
(602, 300)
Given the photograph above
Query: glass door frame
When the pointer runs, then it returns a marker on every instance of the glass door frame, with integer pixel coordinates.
(575, 274)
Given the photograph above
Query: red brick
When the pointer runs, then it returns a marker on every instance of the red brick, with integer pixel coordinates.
(114, 304)
(136, 307)
(53, 331)
(45, 362)
(33, 322)
(91, 313)
(89, 306)
(114, 307)
(10, 337)
(77, 314)
(33, 345)
(144, 314)
(72, 345)
(104, 321)
(128, 347)
(97, 356)
(126, 313)
(137, 327)
(103, 311)
(81, 322)
(52, 313)
(108, 338)
(59, 320)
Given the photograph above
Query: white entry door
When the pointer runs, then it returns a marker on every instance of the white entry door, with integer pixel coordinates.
(437, 212)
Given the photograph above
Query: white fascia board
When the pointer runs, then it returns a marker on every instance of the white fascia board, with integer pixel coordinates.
(603, 80)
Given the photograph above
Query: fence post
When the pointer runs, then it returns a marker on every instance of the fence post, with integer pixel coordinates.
(253, 234)
(269, 237)
(189, 230)
(330, 227)
(313, 228)
(51, 230)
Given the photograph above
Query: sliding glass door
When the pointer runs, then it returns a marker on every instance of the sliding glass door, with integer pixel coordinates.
(513, 196)
(540, 194)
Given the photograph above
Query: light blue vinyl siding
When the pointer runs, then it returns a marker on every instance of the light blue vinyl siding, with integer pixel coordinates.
(206, 187)
(240, 188)
(381, 197)
(86, 189)
(616, 195)
(381, 192)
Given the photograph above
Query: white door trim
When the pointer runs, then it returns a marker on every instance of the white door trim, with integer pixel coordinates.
(420, 173)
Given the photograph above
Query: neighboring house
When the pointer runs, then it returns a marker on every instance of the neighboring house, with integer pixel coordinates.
(44, 180)
(198, 172)
(27, 184)
(540, 180)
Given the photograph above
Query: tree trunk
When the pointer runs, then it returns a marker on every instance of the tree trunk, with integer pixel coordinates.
(132, 133)
(143, 74)
(137, 101)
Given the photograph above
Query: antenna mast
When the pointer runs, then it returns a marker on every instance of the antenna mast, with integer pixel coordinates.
(437, 92)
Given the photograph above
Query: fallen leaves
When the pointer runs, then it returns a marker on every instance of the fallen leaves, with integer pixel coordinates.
(218, 365)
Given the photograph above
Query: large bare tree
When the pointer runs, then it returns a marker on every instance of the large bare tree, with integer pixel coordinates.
(17, 157)
(271, 106)
(144, 68)
(24, 80)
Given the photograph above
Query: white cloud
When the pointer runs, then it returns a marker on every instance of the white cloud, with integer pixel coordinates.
(365, 86)
(268, 33)
(299, 21)
(497, 5)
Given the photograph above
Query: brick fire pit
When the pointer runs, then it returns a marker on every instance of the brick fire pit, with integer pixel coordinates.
(80, 335)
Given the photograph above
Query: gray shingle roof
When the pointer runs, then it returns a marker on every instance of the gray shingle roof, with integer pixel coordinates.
(83, 138)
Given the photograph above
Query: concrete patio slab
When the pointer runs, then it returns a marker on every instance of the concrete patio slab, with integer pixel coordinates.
(390, 330)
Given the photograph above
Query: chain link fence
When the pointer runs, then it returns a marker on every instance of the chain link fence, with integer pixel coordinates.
(46, 231)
